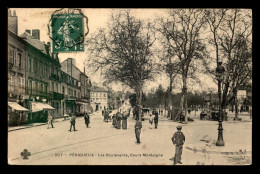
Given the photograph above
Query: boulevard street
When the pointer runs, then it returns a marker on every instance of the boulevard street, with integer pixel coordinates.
(104, 145)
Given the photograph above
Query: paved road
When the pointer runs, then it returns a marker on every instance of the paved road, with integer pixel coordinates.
(104, 145)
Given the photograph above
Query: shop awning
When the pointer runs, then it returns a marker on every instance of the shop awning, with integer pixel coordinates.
(17, 107)
(37, 106)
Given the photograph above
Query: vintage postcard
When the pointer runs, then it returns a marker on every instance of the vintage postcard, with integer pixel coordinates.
(108, 86)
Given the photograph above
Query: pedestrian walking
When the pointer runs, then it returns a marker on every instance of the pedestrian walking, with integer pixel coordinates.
(151, 121)
(138, 127)
(50, 120)
(124, 120)
(87, 119)
(73, 122)
(178, 140)
(114, 120)
(156, 119)
(118, 120)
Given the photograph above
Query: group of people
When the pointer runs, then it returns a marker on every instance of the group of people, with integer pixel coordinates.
(105, 114)
(72, 120)
(116, 120)
(178, 138)
(154, 118)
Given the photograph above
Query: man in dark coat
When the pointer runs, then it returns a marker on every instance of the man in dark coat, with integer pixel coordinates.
(178, 140)
(72, 122)
(156, 118)
(138, 127)
(87, 119)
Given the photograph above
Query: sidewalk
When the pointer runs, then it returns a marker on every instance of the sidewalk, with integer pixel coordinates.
(14, 128)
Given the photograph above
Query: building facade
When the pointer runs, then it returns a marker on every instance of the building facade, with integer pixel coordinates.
(71, 90)
(83, 101)
(99, 98)
(43, 74)
(16, 71)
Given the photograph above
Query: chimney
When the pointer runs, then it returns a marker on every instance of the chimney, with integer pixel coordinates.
(53, 55)
(28, 31)
(9, 13)
(12, 22)
(14, 13)
(49, 45)
(36, 34)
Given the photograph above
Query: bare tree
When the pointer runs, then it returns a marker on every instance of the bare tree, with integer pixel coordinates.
(181, 32)
(231, 30)
(124, 51)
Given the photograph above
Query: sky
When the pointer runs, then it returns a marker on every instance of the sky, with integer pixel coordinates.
(37, 18)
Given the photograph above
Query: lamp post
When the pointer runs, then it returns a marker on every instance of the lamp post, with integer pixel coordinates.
(219, 74)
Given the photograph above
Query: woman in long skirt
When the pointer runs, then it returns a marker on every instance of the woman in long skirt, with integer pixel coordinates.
(124, 121)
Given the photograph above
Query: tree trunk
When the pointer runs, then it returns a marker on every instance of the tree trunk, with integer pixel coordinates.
(186, 106)
(183, 98)
(139, 102)
(170, 98)
(236, 105)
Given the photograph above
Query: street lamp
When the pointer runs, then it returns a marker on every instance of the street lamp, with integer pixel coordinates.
(220, 75)
(37, 97)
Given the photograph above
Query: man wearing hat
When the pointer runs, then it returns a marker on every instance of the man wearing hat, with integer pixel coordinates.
(178, 140)
(138, 127)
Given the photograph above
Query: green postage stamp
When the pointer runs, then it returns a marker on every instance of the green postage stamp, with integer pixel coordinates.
(67, 33)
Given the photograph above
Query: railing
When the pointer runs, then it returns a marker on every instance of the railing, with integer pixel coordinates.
(54, 77)
(16, 89)
(58, 96)
(10, 65)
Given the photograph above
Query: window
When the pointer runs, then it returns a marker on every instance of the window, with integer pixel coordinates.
(45, 88)
(10, 82)
(30, 87)
(104, 95)
(19, 60)
(52, 84)
(41, 87)
(21, 82)
(11, 55)
(57, 87)
(36, 86)
(63, 90)
(74, 93)
(33, 85)
(14, 54)
(40, 68)
(36, 66)
(30, 65)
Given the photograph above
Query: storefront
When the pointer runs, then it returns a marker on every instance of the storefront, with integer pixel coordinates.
(38, 112)
(70, 106)
(83, 106)
(16, 114)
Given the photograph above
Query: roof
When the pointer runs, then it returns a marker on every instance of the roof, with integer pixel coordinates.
(35, 42)
(97, 89)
